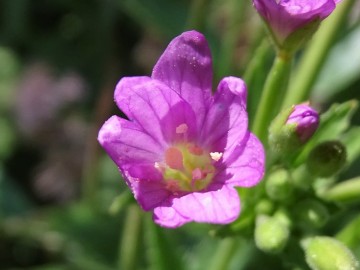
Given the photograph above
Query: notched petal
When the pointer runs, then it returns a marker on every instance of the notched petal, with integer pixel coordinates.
(186, 67)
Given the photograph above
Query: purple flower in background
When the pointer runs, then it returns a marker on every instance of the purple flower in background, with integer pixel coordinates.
(183, 150)
(306, 120)
(285, 17)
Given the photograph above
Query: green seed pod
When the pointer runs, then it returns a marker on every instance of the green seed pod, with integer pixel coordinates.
(326, 159)
(278, 185)
(271, 235)
(327, 253)
(311, 214)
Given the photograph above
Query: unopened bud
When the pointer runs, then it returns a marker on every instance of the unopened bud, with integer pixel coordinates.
(292, 128)
(306, 120)
(283, 216)
(278, 185)
(326, 159)
(271, 235)
(327, 253)
(264, 207)
(311, 214)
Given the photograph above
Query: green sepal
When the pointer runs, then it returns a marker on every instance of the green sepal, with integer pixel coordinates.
(283, 138)
(298, 38)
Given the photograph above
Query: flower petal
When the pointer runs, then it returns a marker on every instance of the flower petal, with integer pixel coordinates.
(136, 156)
(186, 67)
(156, 108)
(220, 206)
(117, 137)
(226, 121)
(169, 217)
(149, 194)
(246, 166)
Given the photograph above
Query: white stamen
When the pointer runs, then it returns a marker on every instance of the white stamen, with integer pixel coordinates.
(161, 166)
(216, 155)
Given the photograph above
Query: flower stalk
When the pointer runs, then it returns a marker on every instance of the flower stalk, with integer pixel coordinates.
(128, 249)
(273, 92)
(224, 254)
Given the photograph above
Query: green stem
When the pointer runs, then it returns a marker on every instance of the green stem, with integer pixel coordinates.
(273, 92)
(224, 253)
(161, 250)
(314, 57)
(130, 239)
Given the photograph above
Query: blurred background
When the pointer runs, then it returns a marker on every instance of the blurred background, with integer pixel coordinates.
(62, 200)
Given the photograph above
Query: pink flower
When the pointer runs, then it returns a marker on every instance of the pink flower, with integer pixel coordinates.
(285, 17)
(183, 150)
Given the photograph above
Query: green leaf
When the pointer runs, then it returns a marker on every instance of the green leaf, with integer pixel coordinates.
(332, 79)
(350, 234)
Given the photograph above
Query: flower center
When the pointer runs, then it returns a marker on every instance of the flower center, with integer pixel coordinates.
(188, 167)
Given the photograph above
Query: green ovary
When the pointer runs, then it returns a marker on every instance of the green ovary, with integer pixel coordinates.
(187, 168)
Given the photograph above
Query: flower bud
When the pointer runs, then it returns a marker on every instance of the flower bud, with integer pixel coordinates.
(271, 235)
(292, 23)
(292, 128)
(327, 253)
(278, 185)
(311, 214)
(326, 158)
(264, 206)
(306, 120)
(301, 178)
(284, 217)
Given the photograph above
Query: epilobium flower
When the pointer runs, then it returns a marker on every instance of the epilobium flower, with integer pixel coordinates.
(183, 150)
(292, 22)
(292, 128)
